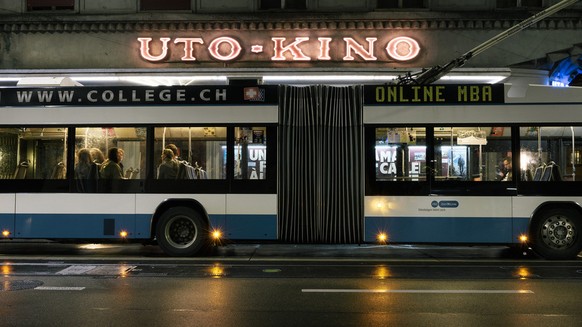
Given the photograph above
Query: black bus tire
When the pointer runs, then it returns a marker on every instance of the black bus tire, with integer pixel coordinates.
(555, 233)
(180, 232)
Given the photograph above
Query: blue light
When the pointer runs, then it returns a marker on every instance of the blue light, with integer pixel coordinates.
(565, 72)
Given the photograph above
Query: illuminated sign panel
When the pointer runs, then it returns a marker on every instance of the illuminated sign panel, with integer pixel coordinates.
(278, 47)
(139, 96)
(379, 95)
(433, 94)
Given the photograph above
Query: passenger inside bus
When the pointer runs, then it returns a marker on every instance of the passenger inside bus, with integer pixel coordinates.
(86, 172)
(111, 168)
(175, 151)
(168, 169)
(508, 169)
(120, 163)
(97, 156)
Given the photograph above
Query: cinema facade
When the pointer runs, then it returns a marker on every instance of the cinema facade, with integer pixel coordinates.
(122, 42)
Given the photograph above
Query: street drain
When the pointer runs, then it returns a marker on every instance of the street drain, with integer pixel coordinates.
(18, 285)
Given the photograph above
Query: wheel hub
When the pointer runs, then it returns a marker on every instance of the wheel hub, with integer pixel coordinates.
(181, 232)
(558, 232)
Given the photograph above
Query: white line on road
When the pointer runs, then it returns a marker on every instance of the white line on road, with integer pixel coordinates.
(76, 270)
(327, 290)
(57, 288)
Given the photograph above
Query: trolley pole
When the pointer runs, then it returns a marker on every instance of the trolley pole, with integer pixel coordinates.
(432, 74)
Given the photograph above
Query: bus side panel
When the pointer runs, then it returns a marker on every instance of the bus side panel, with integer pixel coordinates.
(238, 216)
(438, 219)
(7, 213)
(147, 204)
(70, 226)
(218, 114)
(251, 216)
(525, 206)
(68, 216)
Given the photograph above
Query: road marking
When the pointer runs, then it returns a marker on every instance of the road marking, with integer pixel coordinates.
(56, 288)
(76, 270)
(327, 290)
(101, 270)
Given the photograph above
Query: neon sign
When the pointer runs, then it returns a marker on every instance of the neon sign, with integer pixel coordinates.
(279, 49)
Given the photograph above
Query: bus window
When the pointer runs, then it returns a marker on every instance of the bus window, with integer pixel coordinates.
(400, 154)
(33, 153)
(472, 153)
(250, 153)
(550, 153)
(98, 140)
(199, 151)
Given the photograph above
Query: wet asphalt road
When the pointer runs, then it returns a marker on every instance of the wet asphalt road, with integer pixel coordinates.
(46, 284)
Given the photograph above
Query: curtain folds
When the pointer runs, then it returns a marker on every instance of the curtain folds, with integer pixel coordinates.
(320, 164)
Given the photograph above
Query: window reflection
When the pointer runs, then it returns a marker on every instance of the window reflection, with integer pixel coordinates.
(104, 156)
(33, 153)
(473, 153)
(128, 141)
(250, 153)
(400, 154)
(199, 153)
(550, 153)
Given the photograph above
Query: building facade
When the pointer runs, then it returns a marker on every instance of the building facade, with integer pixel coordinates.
(251, 39)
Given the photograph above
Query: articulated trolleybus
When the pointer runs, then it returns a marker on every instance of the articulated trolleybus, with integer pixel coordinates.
(180, 166)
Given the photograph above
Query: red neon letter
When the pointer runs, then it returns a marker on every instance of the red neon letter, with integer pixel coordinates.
(188, 46)
(296, 53)
(144, 48)
(351, 44)
(214, 48)
(324, 48)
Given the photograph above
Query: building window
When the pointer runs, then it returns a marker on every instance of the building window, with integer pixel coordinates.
(282, 4)
(37, 5)
(146, 5)
(519, 3)
(396, 4)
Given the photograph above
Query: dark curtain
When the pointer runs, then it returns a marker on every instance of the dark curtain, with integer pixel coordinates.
(320, 164)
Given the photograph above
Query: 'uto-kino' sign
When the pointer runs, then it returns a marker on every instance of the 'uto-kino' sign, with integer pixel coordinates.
(279, 48)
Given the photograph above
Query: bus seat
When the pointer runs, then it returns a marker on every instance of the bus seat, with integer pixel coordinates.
(556, 174)
(539, 172)
(547, 174)
(59, 171)
(128, 173)
(134, 174)
(21, 170)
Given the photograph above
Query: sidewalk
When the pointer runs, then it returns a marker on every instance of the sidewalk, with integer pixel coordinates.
(363, 252)
(24, 249)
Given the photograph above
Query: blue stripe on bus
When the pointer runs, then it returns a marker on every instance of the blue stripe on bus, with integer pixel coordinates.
(264, 227)
(445, 229)
(250, 227)
(105, 226)
(76, 226)
(520, 227)
(7, 222)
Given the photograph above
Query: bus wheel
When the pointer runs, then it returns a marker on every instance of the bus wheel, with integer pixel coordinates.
(556, 234)
(180, 232)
